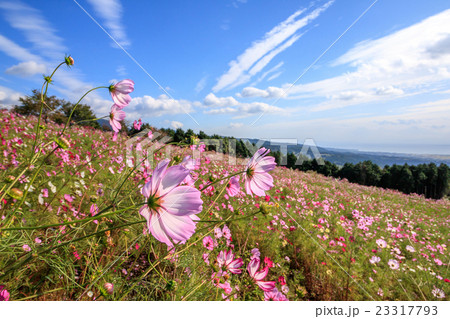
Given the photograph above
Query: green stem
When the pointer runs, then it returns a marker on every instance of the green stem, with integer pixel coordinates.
(38, 129)
(221, 179)
(75, 221)
(92, 119)
(73, 109)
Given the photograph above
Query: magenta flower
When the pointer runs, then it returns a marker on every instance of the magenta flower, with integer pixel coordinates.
(4, 294)
(233, 187)
(227, 260)
(274, 295)
(208, 243)
(137, 125)
(115, 117)
(257, 179)
(171, 208)
(120, 91)
(258, 276)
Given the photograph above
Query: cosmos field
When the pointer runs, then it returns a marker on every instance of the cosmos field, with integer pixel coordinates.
(76, 224)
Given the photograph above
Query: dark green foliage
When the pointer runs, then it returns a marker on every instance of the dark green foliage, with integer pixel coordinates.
(424, 179)
(55, 109)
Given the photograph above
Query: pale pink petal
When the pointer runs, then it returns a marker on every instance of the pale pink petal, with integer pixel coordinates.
(253, 267)
(266, 285)
(183, 200)
(172, 178)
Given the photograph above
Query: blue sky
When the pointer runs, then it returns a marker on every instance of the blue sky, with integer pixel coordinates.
(373, 75)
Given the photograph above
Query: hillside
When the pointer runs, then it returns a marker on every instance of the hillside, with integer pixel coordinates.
(342, 156)
(73, 227)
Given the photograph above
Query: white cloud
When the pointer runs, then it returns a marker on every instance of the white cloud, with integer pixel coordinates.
(261, 52)
(236, 125)
(176, 124)
(16, 51)
(270, 92)
(35, 28)
(148, 106)
(213, 101)
(111, 12)
(25, 69)
(274, 76)
(201, 84)
(272, 70)
(9, 97)
(246, 109)
(408, 61)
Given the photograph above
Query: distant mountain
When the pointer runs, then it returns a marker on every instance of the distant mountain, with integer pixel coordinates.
(103, 122)
(342, 156)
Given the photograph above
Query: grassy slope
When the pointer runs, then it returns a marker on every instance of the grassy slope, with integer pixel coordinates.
(319, 232)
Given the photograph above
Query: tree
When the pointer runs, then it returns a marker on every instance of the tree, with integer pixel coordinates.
(31, 105)
(82, 112)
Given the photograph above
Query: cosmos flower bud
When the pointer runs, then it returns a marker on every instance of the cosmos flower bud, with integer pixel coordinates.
(16, 193)
(109, 287)
(171, 285)
(62, 142)
(69, 60)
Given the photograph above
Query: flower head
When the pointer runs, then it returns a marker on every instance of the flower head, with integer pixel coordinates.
(226, 259)
(258, 276)
(171, 208)
(120, 91)
(208, 243)
(393, 264)
(137, 124)
(233, 187)
(257, 179)
(4, 294)
(115, 117)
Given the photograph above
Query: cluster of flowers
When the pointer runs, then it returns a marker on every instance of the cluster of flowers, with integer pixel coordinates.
(225, 265)
(172, 203)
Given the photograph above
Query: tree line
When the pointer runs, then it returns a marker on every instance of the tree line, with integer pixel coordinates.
(429, 180)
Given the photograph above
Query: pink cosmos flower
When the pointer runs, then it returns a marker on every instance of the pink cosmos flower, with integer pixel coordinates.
(374, 259)
(255, 253)
(208, 243)
(274, 295)
(226, 232)
(393, 264)
(115, 117)
(258, 276)
(217, 232)
(257, 179)
(26, 247)
(227, 260)
(120, 91)
(4, 294)
(233, 187)
(137, 125)
(381, 243)
(170, 209)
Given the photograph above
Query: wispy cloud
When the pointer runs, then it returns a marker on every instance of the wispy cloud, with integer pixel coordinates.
(111, 12)
(409, 61)
(26, 69)
(261, 52)
(201, 84)
(15, 51)
(36, 29)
